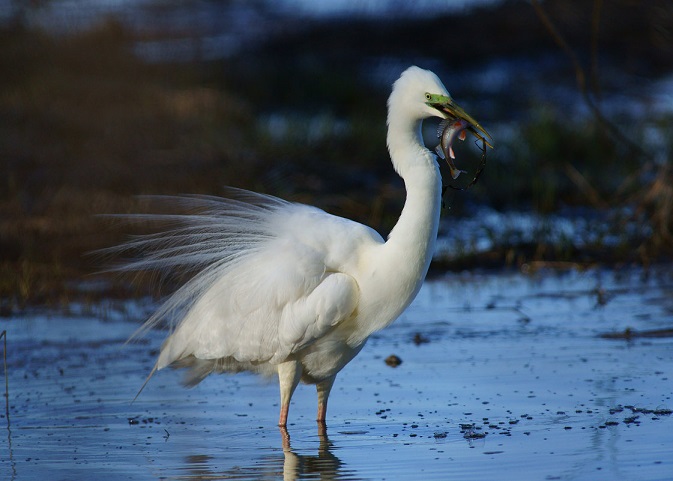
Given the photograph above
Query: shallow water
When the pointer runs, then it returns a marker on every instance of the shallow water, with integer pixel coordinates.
(503, 376)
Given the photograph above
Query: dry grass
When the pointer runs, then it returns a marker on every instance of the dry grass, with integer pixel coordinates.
(85, 125)
(655, 209)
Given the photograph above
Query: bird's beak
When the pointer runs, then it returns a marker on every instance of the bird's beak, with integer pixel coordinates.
(450, 109)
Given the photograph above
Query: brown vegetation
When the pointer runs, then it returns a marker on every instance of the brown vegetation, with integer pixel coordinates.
(85, 125)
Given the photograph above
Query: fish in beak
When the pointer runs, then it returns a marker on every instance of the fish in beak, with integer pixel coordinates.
(451, 110)
(454, 126)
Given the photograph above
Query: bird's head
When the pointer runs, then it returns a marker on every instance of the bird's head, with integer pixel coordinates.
(423, 95)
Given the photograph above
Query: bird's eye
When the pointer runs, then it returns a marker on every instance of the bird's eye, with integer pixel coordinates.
(428, 96)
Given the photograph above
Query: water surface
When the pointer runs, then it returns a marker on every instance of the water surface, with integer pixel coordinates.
(503, 376)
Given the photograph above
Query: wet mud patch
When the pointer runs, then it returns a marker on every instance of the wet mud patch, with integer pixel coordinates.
(501, 376)
(629, 334)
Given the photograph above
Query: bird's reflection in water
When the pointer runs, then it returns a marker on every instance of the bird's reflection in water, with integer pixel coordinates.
(323, 466)
(287, 466)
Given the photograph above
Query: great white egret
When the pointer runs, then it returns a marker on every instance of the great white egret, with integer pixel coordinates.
(286, 288)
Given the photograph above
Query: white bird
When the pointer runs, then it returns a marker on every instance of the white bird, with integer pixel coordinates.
(286, 288)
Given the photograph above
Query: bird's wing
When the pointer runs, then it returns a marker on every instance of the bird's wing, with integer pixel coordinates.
(264, 309)
(272, 277)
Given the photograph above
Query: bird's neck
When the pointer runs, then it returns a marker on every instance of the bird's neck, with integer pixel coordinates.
(405, 258)
(412, 240)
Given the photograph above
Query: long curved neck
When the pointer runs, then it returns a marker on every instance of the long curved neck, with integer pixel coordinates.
(404, 259)
(412, 240)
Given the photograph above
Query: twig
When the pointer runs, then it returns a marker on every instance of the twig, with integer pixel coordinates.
(580, 76)
(583, 184)
(3, 335)
(595, 25)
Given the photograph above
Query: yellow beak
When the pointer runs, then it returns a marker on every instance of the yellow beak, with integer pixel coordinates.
(448, 106)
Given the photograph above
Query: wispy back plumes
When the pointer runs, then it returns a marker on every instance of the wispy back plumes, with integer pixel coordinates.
(206, 239)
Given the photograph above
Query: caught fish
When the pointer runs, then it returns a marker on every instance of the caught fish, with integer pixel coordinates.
(447, 132)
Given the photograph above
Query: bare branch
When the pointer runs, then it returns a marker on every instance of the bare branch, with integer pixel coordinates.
(580, 75)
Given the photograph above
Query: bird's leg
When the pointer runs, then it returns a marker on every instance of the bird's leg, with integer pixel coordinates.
(285, 437)
(322, 431)
(323, 388)
(289, 374)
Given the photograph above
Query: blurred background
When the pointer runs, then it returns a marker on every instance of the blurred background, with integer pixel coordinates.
(101, 101)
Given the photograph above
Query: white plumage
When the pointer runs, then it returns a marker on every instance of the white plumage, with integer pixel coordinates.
(287, 288)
